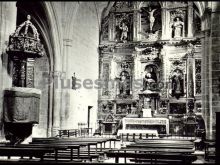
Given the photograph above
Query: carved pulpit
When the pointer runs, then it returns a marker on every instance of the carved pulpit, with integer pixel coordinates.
(22, 101)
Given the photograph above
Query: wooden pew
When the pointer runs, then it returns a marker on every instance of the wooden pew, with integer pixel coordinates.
(153, 157)
(71, 145)
(209, 149)
(24, 151)
(57, 148)
(82, 141)
(158, 147)
(175, 144)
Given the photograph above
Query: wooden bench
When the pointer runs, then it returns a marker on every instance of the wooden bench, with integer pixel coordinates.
(83, 142)
(209, 149)
(152, 157)
(24, 151)
(71, 145)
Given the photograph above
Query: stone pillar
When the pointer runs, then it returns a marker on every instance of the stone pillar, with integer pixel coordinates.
(111, 27)
(190, 19)
(205, 41)
(190, 84)
(66, 83)
(163, 20)
(168, 27)
(215, 66)
(136, 25)
(190, 78)
(137, 77)
(56, 103)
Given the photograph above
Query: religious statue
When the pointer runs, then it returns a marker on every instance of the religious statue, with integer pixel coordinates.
(178, 28)
(124, 33)
(177, 84)
(150, 77)
(74, 81)
(151, 18)
(124, 84)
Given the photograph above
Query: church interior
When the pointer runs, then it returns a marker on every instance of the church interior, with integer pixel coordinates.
(150, 94)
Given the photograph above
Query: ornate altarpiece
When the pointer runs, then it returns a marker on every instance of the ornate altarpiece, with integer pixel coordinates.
(150, 52)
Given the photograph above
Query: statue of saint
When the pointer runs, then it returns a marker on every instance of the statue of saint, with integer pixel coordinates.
(177, 84)
(124, 33)
(178, 28)
(150, 77)
(124, 84)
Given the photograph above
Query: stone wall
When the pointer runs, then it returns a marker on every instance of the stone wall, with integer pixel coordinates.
(215, 63)
(7, 26)
(41, 81)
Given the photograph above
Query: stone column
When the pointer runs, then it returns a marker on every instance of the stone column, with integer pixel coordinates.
(190, 19)
(205, 41)
(136, 25)
(190, 78)
(163, 20)
(214, 67)
(111, 27)
(66, 82)
(56, 103)
(137, 85)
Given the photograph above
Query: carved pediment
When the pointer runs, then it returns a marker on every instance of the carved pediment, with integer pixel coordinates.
(109, 118)
(120, 6)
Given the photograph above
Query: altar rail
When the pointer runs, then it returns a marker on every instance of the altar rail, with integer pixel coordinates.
(133, 137)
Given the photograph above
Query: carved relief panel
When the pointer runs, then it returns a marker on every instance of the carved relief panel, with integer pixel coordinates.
(198, 82)
(105, 78)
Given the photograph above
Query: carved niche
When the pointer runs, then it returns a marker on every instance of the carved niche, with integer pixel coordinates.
(123, 27)
(150, 77)
(151, 24)
(124, 70)
(177, 84)
(178, 23)
(177, 78)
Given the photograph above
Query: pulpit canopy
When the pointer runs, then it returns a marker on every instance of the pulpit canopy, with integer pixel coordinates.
(25, 41)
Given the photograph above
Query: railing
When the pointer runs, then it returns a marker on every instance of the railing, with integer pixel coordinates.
(132, 137)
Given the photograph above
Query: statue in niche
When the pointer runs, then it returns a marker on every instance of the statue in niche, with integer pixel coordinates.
(150, 77)
(151, 18)
(177, 84)
(124, 31)
(178, 28)
(124, 83)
